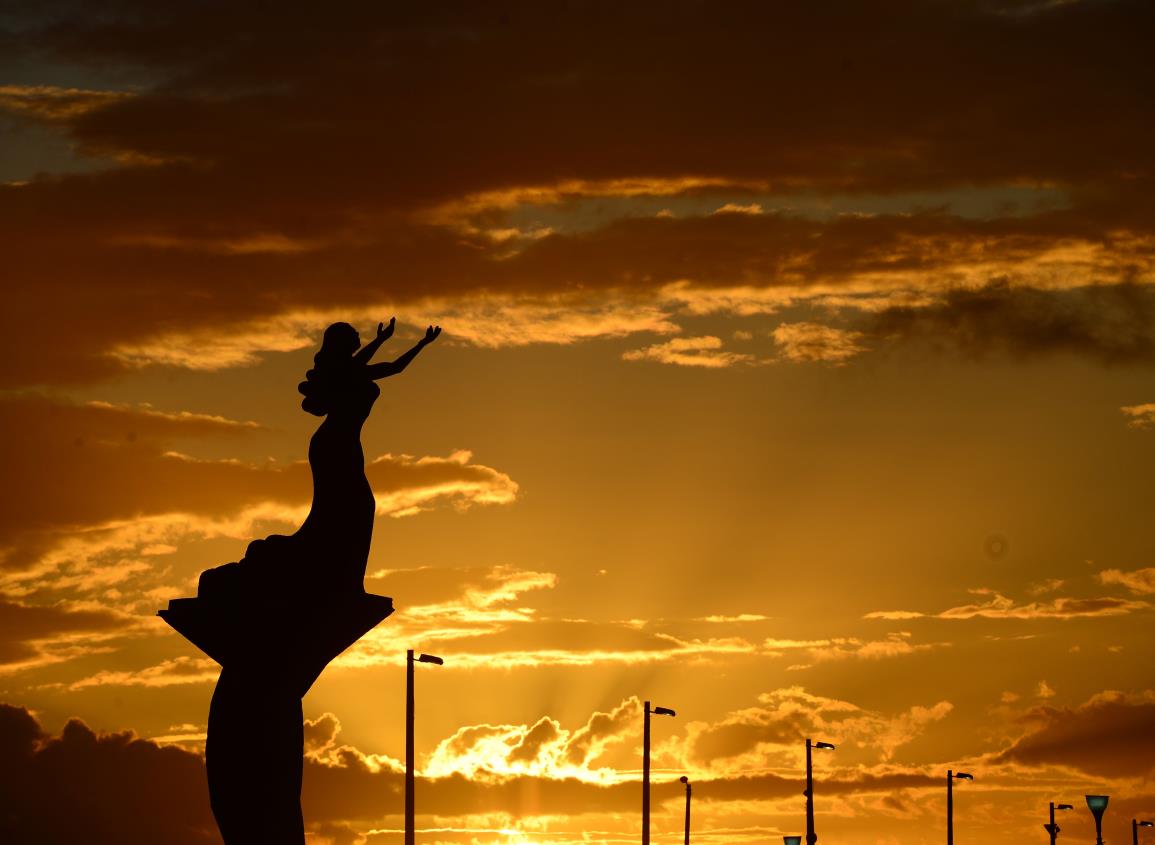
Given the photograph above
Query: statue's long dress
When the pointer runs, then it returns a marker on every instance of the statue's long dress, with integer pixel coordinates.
(292, 605)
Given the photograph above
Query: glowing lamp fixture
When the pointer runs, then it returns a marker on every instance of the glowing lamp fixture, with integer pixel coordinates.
(792, 840)
(429, 658)
(825, 745)
(663, 711)
(1063, 807)
(1098, 805)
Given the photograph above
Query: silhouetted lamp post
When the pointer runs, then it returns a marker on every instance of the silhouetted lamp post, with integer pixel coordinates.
(686, 781)
(657, 711)
(951, 777)
(1135, 825)
(791, 840)
(410, 828)
(1053, 828)
(811, 836)
(1098, 805)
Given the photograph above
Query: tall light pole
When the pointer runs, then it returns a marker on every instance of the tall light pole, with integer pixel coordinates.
(657, 711)
(410, 828)
(1135, 825)
(951, 777)
(1053, 828)
(811, 836)
(1097, 804)
(686, 781)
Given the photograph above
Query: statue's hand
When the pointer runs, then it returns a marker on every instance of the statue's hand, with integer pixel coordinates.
(431, 334)
(385, 332)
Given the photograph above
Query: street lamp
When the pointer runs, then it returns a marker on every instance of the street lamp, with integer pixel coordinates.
(410, 829)
(1053, 828)
(686, 781)
(1098, 805)
(1135, 825)
(657, 711)
(791, 840)
(811, 836)
(951, 777)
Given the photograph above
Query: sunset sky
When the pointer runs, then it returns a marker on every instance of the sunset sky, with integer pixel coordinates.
(797, 375)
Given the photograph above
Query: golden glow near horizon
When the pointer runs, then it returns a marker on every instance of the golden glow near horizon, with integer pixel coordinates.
(799, 385)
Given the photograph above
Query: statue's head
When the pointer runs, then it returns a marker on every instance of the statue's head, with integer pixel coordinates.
(340, 339)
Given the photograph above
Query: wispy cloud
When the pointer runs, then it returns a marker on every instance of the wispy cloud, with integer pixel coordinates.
(178, 670)
(998, 606)
(1141, 581)
(703, 351)
(846, 648)
(1140, 416)
(816, 342)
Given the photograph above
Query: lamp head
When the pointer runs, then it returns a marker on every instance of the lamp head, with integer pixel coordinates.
(963, 776)
(429, 658)
(663, 711)
(1146, 824)
(1097, 804)
(825, 745)
(1063, 807)
(792, 840)
(684, 779)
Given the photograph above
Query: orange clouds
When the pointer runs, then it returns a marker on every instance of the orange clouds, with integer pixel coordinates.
(769, 733)
(1140, 581)
(689, 352)
(36, 635)
(815, 342)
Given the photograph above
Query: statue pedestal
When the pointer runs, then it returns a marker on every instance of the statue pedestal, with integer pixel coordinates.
(295, 642)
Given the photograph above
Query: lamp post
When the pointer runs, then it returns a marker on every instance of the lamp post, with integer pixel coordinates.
(410, 829)
(951, 777)
(811, 836)
(1097, 804)
(1053, 828)
(1135, 825)
(657, 711)
(686, 781)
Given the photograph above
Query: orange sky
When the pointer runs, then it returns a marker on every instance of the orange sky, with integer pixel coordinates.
(796, 375)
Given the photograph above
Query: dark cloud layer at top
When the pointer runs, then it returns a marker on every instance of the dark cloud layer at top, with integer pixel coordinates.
(285, 159)
(893, 93)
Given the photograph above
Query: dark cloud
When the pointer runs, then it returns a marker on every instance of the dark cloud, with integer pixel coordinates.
(112, 789)
(546, 732)
(117, 788)
(597, 90)
(588, 741)
(1113, 324)
(1111, 735)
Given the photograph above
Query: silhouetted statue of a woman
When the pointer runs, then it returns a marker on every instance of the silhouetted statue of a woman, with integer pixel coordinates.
(276, 618)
